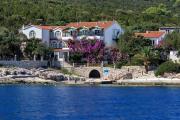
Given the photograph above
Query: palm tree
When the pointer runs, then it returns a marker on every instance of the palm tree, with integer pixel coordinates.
(36, 47)
(31, 48)
(146, 55)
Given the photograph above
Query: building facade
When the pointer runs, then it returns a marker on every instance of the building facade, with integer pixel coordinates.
(156, 37)
(169, 30)
(57, 37)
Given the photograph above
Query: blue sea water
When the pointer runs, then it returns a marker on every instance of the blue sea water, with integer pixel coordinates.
(21, 102)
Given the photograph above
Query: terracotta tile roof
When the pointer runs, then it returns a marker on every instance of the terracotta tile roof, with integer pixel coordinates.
(151, 34)
(101, 24)
(49, 27)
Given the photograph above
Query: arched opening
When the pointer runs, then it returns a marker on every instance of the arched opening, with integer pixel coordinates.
(94, 74)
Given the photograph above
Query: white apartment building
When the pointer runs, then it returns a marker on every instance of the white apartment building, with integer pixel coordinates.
(57, 36)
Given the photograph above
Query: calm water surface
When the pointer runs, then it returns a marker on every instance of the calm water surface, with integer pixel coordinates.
(21, 102)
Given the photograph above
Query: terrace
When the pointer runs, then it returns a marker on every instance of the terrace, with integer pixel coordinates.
(80, 33)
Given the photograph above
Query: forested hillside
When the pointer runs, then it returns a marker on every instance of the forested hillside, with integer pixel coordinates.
(132, 14)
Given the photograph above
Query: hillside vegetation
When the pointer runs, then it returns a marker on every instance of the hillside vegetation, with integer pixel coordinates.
(132, 14)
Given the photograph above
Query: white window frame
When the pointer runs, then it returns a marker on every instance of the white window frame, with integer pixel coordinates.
(57, 34)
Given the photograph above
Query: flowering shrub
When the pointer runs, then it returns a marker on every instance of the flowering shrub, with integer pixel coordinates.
(93, 51)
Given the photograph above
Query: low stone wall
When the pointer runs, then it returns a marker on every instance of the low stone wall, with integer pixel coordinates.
(24, 64)
(85, 71)
(126, 72)
(115, 74)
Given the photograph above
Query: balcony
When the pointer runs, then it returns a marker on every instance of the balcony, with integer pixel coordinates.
(78, 35)
(91, 37)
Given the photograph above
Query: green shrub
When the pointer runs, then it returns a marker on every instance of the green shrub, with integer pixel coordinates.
(168, 67)
(65, 71)
(136, 61)
(121, 63)
(1, 65)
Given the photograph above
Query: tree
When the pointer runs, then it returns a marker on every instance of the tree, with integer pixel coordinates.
(177, 3)
(115, 56)
(147, 55)
(131, 44)
(160, 10)
(35, 47)
(9, 45)
(172, 41)
(92, 51)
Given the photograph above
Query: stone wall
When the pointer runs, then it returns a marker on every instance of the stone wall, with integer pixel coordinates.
(85, 71)
(126, 72)
(115, 74)
(24, 64)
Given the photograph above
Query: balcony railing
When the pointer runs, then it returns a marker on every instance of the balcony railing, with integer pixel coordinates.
(90, 33)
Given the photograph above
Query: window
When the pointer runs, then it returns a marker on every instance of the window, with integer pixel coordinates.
(54, 45)
(60, 45)
(71, 33)
(116, 32)
(97, 32)
(83, 32)
(153, 42)
(32, 34)
(57, 34)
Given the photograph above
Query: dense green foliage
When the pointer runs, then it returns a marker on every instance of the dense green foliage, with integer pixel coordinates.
(9, 45)
(172, 41)
(35, 48)
(132, 14)
(168, 67)
(131, 44)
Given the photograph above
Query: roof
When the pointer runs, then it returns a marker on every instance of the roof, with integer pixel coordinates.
(151, 34)
(169, 27)
(102, 24)
(49, 27)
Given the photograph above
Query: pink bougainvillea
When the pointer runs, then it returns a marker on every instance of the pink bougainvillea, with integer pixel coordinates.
(94, 51)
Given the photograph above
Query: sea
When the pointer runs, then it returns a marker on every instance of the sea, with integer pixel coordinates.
(48, 102)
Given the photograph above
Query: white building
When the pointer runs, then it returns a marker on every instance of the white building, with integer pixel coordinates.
(169, 29)
(156, 37)
(174, 56)
(57, 36)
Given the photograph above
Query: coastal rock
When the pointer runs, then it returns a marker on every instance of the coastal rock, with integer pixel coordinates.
(171, 75)
(128, 76)
(46, 74)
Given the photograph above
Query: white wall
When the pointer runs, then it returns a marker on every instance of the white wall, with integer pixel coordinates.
(38, 32)
(53, 34)
(158, 40)
(173, 56)
(108, 34)
(46, 37)
(24, 64)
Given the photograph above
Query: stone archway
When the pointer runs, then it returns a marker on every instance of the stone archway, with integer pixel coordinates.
(94, 74)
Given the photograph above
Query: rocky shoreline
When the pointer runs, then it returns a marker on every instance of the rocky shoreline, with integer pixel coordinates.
(14, 75)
